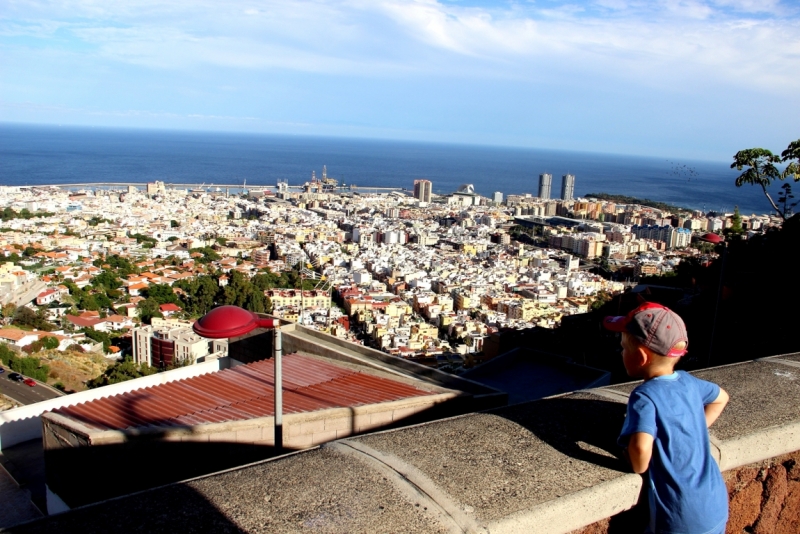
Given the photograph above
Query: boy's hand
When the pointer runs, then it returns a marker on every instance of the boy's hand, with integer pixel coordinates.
(715, 408)
(639, 451)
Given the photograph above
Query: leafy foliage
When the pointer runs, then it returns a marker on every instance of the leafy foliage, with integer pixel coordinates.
(760, 169)
(45, 343)
(94, 221)
(208, 254)
(26, 317)
(736, 230)
(148, 308)
(792, 156)
(7, 214)
(121, 266)
(144, 240)
(120, 372)
(96, 335)
(785, 200)
(27, 366)
(161, 293)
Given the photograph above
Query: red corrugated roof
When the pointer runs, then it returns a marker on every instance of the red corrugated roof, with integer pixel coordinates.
(243, 392)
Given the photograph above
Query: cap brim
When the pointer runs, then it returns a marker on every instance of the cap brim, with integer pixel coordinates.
(617, 323)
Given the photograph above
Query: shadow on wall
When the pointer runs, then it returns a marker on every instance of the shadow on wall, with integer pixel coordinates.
(580, 426)
(89, 474)
(586, 428)
(82, 474)
(169, 510)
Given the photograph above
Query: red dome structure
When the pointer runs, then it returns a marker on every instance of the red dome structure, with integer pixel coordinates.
(230, 321)
(711, 238)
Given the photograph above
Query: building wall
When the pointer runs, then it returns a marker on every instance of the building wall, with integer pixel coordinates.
(545, 185)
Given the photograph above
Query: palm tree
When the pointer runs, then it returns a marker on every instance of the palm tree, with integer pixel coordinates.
(761, 170)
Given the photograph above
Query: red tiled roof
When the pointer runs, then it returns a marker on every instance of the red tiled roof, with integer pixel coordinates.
(240, 393)
(83, 321)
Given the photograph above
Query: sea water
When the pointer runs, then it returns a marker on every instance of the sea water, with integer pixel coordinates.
(39, 155)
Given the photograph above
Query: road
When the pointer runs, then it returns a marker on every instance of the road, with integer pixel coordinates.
(22, 393)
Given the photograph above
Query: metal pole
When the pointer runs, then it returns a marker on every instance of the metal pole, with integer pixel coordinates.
(710, 357)
(277, 353)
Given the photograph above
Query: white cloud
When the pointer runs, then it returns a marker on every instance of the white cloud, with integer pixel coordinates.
(648, 43)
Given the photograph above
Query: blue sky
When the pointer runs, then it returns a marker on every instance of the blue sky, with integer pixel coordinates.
(683, 78)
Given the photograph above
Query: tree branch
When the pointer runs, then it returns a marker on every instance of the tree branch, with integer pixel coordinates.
(774, 206)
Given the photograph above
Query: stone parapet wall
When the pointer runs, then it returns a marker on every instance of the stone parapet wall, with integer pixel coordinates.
(548, 466)
(764, 498)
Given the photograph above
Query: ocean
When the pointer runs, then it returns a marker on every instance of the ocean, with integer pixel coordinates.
(39, 155)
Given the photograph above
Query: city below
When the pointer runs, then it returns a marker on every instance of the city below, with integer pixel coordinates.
(394, 307)
(420, 276)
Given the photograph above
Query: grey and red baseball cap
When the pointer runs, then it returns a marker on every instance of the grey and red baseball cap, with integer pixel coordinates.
(655, 326)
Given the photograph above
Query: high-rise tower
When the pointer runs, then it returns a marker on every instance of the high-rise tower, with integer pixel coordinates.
(545, 185)
(422, 190)
(567, 186)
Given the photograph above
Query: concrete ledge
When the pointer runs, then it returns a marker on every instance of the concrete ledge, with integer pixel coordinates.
(547, 466)
(574, 510)
(759, 446)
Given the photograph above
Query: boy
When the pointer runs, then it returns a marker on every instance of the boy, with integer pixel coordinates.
(665, 432)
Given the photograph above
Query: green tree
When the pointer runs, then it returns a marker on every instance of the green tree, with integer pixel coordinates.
(265, 280)
(6, 355)
(792, 156)
(120, 372)
(107, 280)
(162, 293)
(145, 240)
(148, 308)
(785, 201)
(174, 224)
(760, 169)
(8, 310)
(27, 366)
(49, 342)
(735, 231)
(121, 266)
(103, 302)
(200, 294)
(208, 254)
(96, 335)
(88, 302)
(26, 317)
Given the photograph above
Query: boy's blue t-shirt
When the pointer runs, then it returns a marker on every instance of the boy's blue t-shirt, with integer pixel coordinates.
(686, 491)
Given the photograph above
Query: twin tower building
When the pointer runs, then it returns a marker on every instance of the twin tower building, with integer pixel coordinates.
(567, 186)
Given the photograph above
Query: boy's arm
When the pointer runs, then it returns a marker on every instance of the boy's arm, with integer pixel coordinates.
(715, 407)
(640, 450)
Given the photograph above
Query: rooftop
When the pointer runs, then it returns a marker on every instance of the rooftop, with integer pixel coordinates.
(240, 393)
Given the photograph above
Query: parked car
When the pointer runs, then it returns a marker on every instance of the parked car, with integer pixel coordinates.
(2, 370)
(16, 376)
(29, 382)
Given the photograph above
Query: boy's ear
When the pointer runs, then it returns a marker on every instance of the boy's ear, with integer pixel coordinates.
(642, 356)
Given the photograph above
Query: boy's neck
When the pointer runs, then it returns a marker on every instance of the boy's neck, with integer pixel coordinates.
(649, 373)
